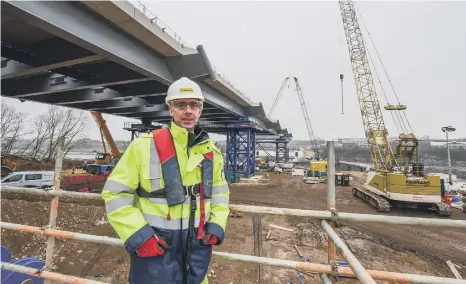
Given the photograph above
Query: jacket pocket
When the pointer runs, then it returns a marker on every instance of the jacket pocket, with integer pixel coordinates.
(151, 180)
(165, 235)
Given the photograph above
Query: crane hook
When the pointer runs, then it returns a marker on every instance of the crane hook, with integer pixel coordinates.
(341, 78)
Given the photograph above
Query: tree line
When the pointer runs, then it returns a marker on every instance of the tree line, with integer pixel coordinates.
(45, 130)
(426, 153)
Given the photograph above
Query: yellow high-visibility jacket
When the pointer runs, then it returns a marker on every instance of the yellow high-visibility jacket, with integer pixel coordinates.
(136, 215)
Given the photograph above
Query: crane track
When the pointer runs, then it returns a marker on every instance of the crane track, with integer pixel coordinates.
(442, 209)
(378, 202)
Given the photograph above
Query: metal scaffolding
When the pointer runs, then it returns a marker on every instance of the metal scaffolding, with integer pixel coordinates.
(281, 151)
(328, 272)
(240, 154)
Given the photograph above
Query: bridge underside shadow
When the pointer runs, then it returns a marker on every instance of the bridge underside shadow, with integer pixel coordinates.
(69, 54)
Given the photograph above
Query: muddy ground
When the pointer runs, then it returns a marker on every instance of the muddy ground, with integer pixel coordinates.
(419, 250)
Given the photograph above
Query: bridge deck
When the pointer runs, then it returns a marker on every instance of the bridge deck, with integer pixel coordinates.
(108, 57)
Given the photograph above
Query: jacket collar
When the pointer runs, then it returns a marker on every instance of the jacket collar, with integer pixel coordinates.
(182, 136)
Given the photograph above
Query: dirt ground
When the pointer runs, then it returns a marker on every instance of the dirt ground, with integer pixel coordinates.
(400, 248)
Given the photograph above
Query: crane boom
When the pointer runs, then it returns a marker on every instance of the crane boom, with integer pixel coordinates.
(278, 96)
(398, 175)
(374, 126)
(307, 120)
(106, 134)
(306, 116)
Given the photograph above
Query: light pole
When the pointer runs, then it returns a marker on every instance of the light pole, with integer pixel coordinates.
(447, 129)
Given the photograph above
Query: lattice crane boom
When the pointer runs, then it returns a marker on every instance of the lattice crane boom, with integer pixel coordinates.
(306, 117)
(307, 120)
(277, 98)
(374, 126)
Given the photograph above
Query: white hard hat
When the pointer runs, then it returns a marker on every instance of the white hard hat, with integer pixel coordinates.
(184, 88)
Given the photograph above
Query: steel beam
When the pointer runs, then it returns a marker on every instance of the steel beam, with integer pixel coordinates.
(219, 100)
(260, 138)
(152, 108)
(135, 108)
(192, 66)
(148, 113)
(162, 115)
(52, 83)
(40, 53)
(74, 23)
(202, 121)
(115, 105)
(256, 111)
(15, 69)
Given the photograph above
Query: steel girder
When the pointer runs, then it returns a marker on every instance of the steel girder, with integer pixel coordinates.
(152, 108)
(49, 83)
(15, 69)
(77, 24)
(116, 106)
(74, 24)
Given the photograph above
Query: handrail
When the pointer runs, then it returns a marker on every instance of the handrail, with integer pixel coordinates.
(328, 272)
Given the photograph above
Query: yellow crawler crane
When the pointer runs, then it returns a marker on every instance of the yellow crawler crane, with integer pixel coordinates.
(398, 179)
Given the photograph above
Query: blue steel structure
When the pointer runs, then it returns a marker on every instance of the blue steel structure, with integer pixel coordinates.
(282, 153)
(107, 56)
(240, 156)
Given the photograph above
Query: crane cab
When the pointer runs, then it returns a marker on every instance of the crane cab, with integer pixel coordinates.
(103, 158)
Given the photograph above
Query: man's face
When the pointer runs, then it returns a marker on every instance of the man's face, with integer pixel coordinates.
(186, 112)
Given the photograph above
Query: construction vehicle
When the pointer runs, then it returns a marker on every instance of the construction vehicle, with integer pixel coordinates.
(8, 166)
(299, 92)
(398, 179)
(104, 158)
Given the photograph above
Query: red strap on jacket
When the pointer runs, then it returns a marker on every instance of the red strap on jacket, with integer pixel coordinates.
(200, 230)
(164, 144)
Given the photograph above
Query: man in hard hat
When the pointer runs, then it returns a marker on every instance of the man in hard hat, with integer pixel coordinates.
(167, 197)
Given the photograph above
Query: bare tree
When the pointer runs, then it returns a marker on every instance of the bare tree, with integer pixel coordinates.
(40, 136)
(11, 128)
(60, 122)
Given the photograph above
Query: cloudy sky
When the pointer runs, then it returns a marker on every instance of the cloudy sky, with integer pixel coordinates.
(258, 44)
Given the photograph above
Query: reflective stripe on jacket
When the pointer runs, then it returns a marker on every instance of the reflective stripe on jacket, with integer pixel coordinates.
(135, 218)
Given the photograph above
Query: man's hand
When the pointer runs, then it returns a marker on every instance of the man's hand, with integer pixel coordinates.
(210, 239)
(153, 246)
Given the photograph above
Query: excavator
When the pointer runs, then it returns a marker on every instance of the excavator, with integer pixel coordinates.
(398, 178)
(104, 157)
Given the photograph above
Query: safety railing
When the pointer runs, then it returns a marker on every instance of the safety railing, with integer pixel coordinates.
(328, 272)
(154, 19)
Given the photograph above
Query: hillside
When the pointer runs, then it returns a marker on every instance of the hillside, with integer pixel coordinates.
(89, 145)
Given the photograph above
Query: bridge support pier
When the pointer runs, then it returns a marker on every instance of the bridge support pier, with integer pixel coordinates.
(282, 154)
(241, 154)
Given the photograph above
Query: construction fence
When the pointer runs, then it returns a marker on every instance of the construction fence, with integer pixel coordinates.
(329, 272)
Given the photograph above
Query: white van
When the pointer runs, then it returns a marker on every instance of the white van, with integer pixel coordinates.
(35, 179)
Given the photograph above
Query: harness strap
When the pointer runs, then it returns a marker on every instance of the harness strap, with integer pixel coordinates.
(200, 230)
(189, 240)
(141, 192)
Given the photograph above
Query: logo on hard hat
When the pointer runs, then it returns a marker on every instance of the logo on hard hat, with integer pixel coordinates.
(186, 90)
